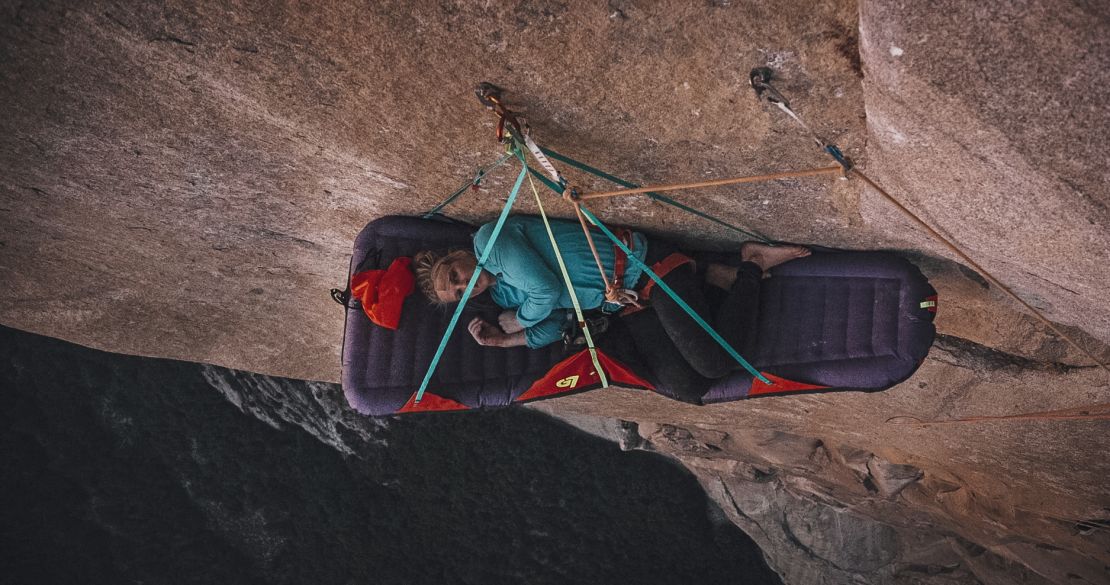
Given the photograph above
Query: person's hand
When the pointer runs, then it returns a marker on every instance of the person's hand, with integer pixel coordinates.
(485, 333)
(507, 321)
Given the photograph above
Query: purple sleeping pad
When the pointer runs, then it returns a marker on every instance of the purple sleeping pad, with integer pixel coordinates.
(841, 321)
(845, 320)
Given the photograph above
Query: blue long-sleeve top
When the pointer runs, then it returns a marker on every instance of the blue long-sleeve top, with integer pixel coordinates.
(528, 277)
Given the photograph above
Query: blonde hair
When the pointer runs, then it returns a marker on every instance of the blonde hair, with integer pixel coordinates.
(432, 269)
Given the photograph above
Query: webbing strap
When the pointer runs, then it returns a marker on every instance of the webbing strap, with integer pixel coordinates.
(473, 279)
(656, 196)
(557, 179)
(557, 188)
(570, 289)
(685, 307)
(478, 176)
(538, 153)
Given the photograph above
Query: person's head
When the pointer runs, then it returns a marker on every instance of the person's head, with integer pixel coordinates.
(443, 276)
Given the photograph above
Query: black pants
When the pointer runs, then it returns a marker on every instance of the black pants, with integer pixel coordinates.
(684, 357)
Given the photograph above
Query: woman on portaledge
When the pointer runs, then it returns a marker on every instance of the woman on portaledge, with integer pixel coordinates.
(522, 276)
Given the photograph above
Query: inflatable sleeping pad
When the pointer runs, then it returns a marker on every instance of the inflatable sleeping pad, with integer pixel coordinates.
(831, 321)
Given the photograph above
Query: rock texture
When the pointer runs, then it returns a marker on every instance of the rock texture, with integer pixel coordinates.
(184, 180)
(1002, 146)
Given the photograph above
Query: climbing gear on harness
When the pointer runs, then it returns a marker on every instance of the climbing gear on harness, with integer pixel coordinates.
(661, 268)
(765, 90)
(619, 296)
(583, 324)
(583, 332)
(685, 307)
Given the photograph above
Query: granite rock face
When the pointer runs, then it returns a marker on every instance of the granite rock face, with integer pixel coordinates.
(991, 119)
(184, 180)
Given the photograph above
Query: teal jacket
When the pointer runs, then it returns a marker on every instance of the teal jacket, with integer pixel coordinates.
(528, 276)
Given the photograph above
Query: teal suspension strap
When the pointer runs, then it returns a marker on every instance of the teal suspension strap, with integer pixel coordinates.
(656, 196)
(478, 176)
(570, 289)
(685, 307)
(557, 188)
(470, 285)
(551, 184)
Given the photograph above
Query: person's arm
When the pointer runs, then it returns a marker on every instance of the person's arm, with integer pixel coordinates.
(490, 335)
(547, 331)
(539, 335)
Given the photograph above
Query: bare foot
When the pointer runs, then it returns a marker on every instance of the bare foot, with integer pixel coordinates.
(767, 257)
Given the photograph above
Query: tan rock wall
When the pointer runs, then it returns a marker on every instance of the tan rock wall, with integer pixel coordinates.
(991, 120)
(185, 180)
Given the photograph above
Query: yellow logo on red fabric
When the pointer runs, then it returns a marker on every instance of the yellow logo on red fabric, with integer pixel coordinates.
(568, 382)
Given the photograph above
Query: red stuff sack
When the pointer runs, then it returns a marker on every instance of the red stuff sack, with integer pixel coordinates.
(383, 292)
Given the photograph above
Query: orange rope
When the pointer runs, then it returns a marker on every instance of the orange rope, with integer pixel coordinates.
(593, 248)
(977, 267)
(714, 183)
(1094, 412)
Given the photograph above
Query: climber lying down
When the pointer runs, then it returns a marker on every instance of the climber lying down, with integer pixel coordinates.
(522, 276)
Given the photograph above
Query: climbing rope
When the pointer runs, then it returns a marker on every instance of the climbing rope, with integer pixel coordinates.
(670, 292)
(1093, 412)
(570, 287)
(714, 183)
(593, 250)
(556, 183)
(520, 139)
(654, 196)
(975, 265)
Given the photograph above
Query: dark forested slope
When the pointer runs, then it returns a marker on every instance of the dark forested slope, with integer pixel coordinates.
(123, 469)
